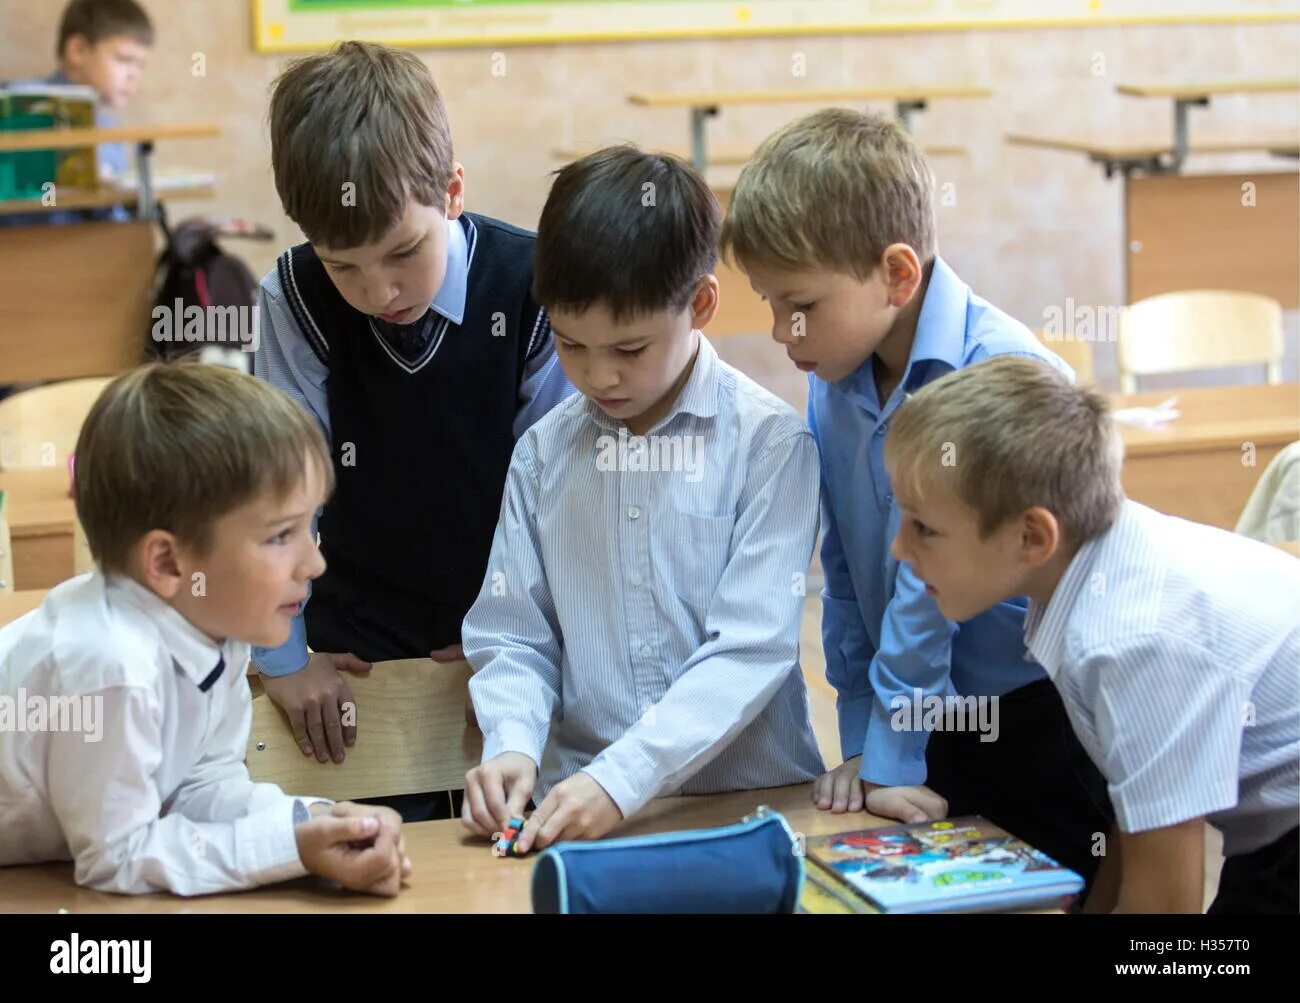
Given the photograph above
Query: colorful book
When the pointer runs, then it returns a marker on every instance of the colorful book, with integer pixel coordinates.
(957, 865)
(47, 106)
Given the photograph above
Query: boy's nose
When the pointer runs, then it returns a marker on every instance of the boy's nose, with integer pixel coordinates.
(896, 548)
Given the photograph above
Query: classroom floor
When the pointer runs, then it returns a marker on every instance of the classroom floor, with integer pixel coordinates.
(821, 701)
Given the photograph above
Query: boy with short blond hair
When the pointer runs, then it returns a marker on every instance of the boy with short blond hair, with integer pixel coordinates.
(637, 633)
(196, 487)
(832, 219)
(1174, 645)
(407, 328)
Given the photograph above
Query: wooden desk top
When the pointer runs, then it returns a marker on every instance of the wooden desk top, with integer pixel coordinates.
(65, 139)
(1280, 145)
(453, 872)
(1191, 91)
(15, 604)
(38, 501)
(697, 99)
(1215, 417)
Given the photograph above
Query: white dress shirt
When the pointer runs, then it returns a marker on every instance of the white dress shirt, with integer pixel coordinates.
(1176, 648)
(641, 623)
(148, 790)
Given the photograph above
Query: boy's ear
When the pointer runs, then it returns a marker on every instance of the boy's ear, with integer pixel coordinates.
(1040, 536)
(158, 562)
(456, 191)
(704, 304)
(75, 49)
(903, 273)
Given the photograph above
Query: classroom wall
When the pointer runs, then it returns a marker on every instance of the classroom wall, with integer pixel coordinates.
(1029, 229)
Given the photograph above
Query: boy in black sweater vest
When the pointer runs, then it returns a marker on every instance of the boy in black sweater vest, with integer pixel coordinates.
(406, 326)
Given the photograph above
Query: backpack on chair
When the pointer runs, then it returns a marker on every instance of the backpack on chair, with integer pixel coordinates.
(193, 271)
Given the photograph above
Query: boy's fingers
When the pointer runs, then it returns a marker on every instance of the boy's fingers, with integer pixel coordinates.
(533, 834)
(478, 807)
(298, 722)
(316, 731)
(855, 796)
(349, 828)
(518, 800)
(351, 663)
(333, 731)
(494, 795)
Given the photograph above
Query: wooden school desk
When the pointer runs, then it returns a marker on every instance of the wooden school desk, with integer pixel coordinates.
(453, 871)
(42, 521)
(1193, 466)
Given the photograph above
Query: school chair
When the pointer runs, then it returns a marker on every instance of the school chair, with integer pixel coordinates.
(1076, 354)
(1272, 514)
(1199, 329)
(411, 737)
(6, 551)
(39, 427)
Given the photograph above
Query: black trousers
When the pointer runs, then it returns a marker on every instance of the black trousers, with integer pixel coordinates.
(1266, 880)
(1036, 781)
(422, 807)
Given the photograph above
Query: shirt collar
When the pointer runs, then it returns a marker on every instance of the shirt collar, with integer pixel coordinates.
(940, 332)
(698, 397)
(1045, 623)
(193, 651)
(450, 300)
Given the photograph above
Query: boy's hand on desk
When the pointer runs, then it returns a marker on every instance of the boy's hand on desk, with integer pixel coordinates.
(360, 852)
(907, 804)
(577, 808)
(497, 791)
(389, 821)
(319, 704)
(841, 789)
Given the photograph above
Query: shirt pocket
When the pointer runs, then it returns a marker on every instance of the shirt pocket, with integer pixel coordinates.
(702, 544)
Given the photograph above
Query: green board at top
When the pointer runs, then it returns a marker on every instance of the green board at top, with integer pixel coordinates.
(302, 25)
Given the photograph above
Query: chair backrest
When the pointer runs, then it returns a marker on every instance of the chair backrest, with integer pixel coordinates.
(39, 427)
(1199, 329)
(1077, 355)
(6, 551)
(411, 736)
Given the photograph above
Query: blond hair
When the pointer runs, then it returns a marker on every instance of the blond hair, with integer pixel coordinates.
(175, 447)
(365, 115)
(1007, 435)
(832, 191)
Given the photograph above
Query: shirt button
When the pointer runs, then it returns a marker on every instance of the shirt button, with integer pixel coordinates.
(646, 650)
(637, 579)
(634, 513)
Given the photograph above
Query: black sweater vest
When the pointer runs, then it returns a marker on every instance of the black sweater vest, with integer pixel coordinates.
(421, 449)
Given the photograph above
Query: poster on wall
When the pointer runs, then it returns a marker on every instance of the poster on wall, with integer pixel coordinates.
(302, 25)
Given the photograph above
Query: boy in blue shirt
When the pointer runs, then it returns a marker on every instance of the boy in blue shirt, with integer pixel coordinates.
(637, 633)
(407, 328)
(1174, 645)
(102, 44)
(833, 222)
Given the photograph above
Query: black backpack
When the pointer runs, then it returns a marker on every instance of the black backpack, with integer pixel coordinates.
(193, 270)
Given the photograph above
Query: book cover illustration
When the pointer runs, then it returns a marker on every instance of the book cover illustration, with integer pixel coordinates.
(955, 864)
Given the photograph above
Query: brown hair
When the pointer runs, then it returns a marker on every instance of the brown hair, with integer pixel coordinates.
(96, 20)
(175, 447)
(832, 191)
(1010, 434)
(365, 115)
(631, 230)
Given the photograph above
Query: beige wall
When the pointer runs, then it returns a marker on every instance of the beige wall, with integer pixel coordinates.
(1028, 230)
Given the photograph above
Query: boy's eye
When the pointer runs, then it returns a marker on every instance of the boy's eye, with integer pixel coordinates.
(803, 307)
(632, 351)
(338, 268)
(409, 252)
(281, 537)
(922, 528)
(568, 346)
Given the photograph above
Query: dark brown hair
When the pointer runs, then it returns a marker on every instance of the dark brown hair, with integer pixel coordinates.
(96, 20)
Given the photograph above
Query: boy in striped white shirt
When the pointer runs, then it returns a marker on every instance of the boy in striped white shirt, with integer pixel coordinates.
(1174, 645)
(637, 631)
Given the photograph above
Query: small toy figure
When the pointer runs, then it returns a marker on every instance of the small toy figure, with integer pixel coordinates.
(506, 844)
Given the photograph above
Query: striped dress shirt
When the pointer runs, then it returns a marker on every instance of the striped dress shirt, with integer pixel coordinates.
(639, 619)
(1176, 648)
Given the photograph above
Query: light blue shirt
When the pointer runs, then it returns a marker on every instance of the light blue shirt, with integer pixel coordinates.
(1176, 648)
(285, 359)
(883, 636)
(640, 616)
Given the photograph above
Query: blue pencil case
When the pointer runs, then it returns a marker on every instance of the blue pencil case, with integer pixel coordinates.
(753, 866)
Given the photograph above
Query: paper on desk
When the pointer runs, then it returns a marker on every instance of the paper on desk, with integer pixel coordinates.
(1148, 417)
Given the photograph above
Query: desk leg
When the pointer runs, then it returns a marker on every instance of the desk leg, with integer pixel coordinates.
(699, 136)
(144, 208)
